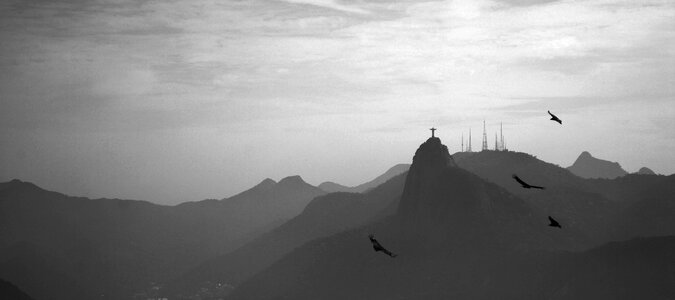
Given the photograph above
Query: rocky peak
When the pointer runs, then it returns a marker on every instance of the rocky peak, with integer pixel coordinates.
(294, 180)
(646, 171)
(429, 162)
(587, 166)
(432, 154)
(266, 184)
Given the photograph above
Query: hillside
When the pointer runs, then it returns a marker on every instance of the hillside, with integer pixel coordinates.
(587, 166)
(458, 236)
(324, 216)
(115, 247)
(396, 170)
(591, 206)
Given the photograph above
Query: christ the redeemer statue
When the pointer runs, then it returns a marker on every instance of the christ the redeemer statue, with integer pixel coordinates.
(432, 131)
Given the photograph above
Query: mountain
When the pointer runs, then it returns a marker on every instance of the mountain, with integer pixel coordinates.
(115, 247)
(499, 166)
(587, 166)
(265, 203)
(323, 216)
(596, 208)
(442, 201)
(450, 223)
(645, 171)
(635, 269)
(652, 213)
(332, 187)
(8, 291)
(575, 202)
(458, 236)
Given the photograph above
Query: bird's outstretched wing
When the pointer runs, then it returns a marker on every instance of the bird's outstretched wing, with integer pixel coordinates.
(554, 117)
(387, 252)
(553, 223)
(375, 243)
(377, 247)
(523, 183)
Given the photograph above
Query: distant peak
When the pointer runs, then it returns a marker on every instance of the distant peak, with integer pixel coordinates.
(16, 183)
(332, 187)
(329, 183)
(295, 179)
(646, 171)
(587, 166)
(267, 183)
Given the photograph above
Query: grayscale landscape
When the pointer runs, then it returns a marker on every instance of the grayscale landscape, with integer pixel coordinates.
(337, 149)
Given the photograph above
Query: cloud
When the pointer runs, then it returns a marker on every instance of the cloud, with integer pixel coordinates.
(331, 4)
(218, 69)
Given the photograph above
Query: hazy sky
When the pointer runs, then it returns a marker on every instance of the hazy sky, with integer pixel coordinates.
(171, 101)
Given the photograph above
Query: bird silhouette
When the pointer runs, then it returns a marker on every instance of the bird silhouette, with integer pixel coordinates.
(553, 223)
(554, 118)
(525, 184)
(377, 247)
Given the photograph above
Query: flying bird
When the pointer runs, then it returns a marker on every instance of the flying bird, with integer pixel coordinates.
(554, 118)
(525, 184)
(377, 247)
(554, 223)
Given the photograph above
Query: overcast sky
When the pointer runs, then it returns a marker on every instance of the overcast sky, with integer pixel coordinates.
(172, 101)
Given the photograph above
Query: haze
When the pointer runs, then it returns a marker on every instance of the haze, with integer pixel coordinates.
(172, 101)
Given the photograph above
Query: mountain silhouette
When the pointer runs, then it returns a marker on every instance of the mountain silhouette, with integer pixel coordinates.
(460, 237)
(268, 202)
(499, 166)
(332, 187)
(462, 227)
(587, 166)
(115, 247)
(645, 171)
(442, 202)
(325, 215)
(588, 207)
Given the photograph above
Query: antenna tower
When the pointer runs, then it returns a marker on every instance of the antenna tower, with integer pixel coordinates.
(496, 144)
(485, 146)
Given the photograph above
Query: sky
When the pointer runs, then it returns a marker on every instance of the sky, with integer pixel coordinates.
(173, 101)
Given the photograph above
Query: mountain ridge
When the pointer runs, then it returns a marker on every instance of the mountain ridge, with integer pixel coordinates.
(455, 220)
(325, 215)
(587, 166)
(147, 242)
(397, 169)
